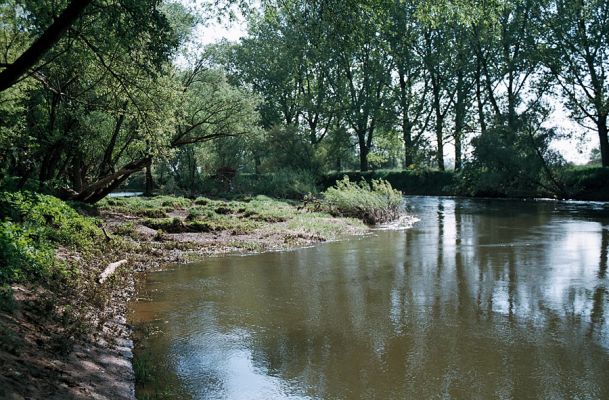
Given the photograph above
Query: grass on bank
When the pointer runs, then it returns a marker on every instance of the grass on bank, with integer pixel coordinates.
(54, 254)
(180, 215)
(33, 226)
(374, 203)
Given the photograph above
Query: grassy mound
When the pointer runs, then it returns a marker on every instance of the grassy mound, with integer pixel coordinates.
(374, 203)
(53, 255)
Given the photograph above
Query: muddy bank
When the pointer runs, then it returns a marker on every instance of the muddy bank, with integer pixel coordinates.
(44, 359)
(40, 360)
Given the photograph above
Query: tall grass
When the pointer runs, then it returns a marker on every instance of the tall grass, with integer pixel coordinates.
(374, 203)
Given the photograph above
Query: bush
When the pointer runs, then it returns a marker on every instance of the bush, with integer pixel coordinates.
(32, 226)
(284, 184)
(411, 182)
(587, 182)
(375, 202)
(7, 302)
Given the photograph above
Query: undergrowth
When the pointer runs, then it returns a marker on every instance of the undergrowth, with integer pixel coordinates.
(374, 203)
(55, 254)
(32, 227)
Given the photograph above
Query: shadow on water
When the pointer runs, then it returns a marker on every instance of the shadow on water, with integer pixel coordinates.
(480, 299)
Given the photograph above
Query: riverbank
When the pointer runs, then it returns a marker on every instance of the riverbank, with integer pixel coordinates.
(586, 183)
(66, 335)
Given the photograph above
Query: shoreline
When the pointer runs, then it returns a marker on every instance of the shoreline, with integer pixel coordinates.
(99, 365)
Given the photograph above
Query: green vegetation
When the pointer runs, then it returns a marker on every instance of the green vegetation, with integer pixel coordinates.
(587, 183)
(206, 215)
(100, 103)
(153, 207)
(32, 227)
(449, 97)
(410, 182)
(284, 184)
(374, 203)
(53, 254)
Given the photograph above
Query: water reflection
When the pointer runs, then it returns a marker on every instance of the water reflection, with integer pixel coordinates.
(481, 299)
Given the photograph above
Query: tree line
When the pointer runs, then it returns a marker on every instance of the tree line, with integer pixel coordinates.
(91, 92)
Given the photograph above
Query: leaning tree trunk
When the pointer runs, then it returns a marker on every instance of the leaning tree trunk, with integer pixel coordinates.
(38, 49)
(99, 189)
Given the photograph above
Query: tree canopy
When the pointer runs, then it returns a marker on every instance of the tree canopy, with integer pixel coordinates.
(92, 92)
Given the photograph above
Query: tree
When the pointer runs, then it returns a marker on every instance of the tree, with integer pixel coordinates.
(464, 77)
(19, 67)
(269, 62)
(403, 33)
(578, 58)
(435, 54)
(364, 65)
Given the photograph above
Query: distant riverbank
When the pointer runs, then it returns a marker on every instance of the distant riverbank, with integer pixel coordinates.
(573, 183)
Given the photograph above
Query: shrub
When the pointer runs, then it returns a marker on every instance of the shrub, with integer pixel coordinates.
(24, 255)
(32, 226)
(587, 182)
(375, 202)
(411, 182)
(284, 183)
(7, 302)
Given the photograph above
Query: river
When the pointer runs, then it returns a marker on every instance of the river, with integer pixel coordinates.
(480, 299)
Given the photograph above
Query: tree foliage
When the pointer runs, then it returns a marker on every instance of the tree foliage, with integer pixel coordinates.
(314, 86)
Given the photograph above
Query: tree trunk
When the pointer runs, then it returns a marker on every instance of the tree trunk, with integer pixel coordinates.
(406, 124)
(481, 117)
(76, 173)
(437, 106)
(38, 49)
(363, 153)
(408, 150)
(106, 164)
(100, 188)
(460, 109)
(604, 142)
(458, 153)
(440, 140)
(49, 163)
(257, 164)
(149, 181)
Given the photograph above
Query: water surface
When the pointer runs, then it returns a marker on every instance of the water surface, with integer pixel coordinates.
(480, 299)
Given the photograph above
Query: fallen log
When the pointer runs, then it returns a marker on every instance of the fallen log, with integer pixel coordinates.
(110, 270)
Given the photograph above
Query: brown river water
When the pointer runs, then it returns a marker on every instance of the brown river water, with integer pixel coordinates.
(480, 299)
